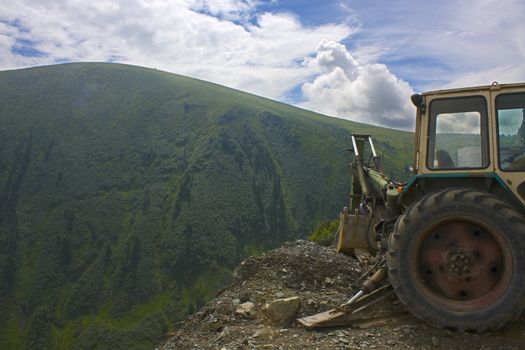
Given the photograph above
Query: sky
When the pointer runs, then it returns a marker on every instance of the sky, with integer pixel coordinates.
(357, 60)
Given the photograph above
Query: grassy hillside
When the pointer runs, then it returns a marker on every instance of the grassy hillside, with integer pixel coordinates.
(128, 194)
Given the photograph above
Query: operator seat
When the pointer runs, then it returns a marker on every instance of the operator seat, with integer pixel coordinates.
(444, 160)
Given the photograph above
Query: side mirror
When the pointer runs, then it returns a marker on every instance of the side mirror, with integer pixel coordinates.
(418, 101)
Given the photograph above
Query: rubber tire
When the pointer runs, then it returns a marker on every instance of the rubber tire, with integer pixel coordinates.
(480, 206)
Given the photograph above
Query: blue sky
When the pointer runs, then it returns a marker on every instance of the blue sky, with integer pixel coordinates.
(358, 60)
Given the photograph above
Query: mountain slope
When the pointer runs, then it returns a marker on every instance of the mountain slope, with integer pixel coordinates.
(128, 194)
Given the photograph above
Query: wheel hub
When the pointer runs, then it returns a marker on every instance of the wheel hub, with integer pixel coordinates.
(461, 261)
(458, 263)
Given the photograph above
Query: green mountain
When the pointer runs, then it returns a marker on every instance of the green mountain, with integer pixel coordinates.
(127, 195)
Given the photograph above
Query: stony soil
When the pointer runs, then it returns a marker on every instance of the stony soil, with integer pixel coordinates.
(322, 279)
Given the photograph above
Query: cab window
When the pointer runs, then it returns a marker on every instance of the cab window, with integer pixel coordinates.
(511, 131)
(458, 136)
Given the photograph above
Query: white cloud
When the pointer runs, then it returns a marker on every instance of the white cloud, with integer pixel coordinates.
(230, 9)
(224, 41)
(485, 76)
(368, 93)
(448, 43)
(331, 55)
(458, 123)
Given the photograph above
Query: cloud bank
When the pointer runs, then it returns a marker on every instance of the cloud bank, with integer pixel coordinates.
(363, 67)
(367, 93)
(447, 43)
(228, 42)
(225, 41)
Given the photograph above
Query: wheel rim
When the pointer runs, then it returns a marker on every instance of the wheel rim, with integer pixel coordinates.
(461, 264)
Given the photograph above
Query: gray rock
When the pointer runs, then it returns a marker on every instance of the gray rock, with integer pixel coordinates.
(261, 332)
(281, 312)
(246, 310)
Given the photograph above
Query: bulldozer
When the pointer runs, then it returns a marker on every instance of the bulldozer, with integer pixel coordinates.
(450, 240)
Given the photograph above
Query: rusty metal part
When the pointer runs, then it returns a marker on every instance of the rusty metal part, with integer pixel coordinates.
(373, 282)
(377, 263)
(355, 231)
(462, 265)
(369, 285)
(382, 293)
(368, 295)
(343, 316)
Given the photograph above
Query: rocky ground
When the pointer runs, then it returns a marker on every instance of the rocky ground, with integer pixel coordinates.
(241, 317)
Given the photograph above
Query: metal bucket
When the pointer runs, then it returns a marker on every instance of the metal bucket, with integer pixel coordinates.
(355, 232)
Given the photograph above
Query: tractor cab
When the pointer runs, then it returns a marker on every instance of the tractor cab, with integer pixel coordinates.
(474, 135)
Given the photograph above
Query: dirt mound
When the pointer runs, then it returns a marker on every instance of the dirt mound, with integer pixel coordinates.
(322, 279)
